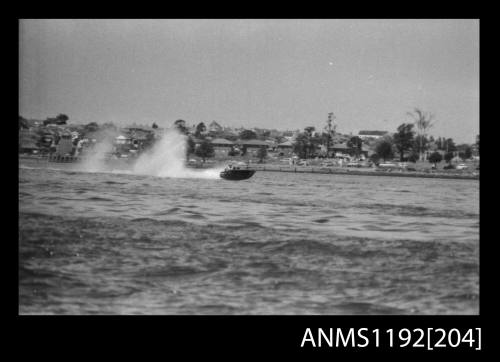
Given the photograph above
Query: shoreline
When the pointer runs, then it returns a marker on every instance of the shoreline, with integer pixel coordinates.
(333, 171)
(299, 169)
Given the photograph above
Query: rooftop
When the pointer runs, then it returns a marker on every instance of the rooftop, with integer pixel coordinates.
(252, 143)
(372, 133)
(221, 141)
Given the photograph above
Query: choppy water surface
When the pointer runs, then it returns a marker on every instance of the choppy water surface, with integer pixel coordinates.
(277, 243)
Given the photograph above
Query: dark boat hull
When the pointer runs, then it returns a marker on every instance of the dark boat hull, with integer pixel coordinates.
(236, 175)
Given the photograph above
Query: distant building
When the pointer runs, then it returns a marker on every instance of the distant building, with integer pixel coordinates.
(366, 151)
(65, 146)
(141, 137)
(252, 146)
(197, 142)
(372, 134)
(222, 146)
(28, 146)
(27, 141)
(215, 127)
(285, 148)
(340, 149)
(122, 140)
(272, 144)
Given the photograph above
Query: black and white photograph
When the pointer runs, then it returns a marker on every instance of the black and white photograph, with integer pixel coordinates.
(248, 167)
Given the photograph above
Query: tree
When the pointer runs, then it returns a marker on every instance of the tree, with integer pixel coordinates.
(107, 125)
(200, 128)
(403, 139)
(449, 145)
(356, 144)
(248, 135)
(302, 145)
(23, 123)
(262, 153)
(190, 146)
(233, 152)
(60, 119)
(383, 149)
(375, 158)
(314, 143)
(154, 125)
(448, 156)
(205, 150)
(420, 145)
(265, 134)
(423, 121)
(477, 143)
(435, 157)
(309, 130)
(440, 143)
(180, 125)
(413, 157)
(91, 127)
(466, 153)
(330, 131)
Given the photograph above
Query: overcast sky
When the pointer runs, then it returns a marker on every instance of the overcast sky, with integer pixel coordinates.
(283, 74)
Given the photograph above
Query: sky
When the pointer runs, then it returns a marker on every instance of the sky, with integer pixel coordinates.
(268, 73)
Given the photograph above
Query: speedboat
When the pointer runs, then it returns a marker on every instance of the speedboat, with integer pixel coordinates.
(236, 173)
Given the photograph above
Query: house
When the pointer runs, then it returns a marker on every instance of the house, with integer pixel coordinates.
(65, 146)
(215, 127)
(122, 140)
(28, 146)
(372, 134)
(271, 144)
(94, 136)
(252, 146)
(47, 139)
(197, 141)
(140, 136)
(285, 148)
(122, 144)
(340, 149)
(27, 142)
(222, 147)
(367, 151)
(28, 123)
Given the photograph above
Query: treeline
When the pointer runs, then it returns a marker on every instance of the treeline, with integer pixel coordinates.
(410, 142)
(411, 146)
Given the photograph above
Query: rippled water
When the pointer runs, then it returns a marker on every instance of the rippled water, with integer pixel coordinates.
(277, 243)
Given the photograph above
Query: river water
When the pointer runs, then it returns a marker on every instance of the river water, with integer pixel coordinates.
(278, 243)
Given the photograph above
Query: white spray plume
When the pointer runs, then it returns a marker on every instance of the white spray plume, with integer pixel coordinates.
(95, 160)
(165, 159)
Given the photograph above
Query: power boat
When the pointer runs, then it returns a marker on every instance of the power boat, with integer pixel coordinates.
(236, 173)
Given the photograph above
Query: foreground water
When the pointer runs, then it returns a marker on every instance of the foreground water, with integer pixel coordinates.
(278, 243)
